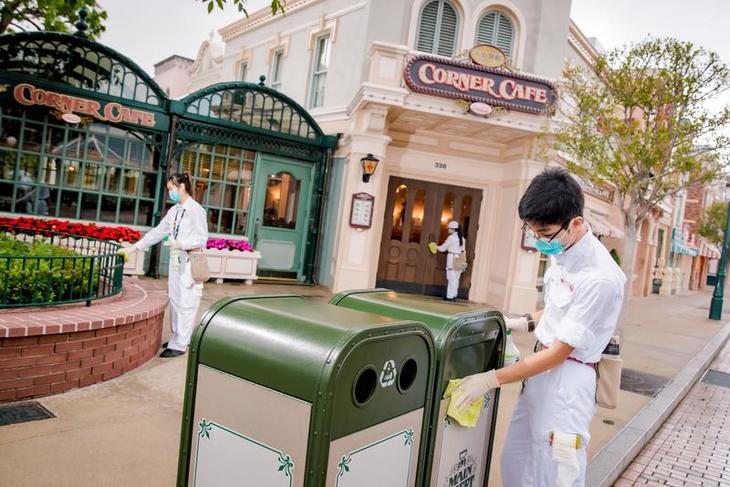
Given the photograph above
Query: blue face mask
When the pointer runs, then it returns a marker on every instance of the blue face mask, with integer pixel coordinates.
(174, 196)
(549, 248)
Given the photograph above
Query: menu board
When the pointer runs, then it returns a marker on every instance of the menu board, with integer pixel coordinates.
(361, 212)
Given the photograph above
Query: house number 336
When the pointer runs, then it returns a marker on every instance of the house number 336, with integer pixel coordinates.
(440, 165)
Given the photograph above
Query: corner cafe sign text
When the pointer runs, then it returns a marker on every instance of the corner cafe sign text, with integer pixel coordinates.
(466, 81)
(29, 95)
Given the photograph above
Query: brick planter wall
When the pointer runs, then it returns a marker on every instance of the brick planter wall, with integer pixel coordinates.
(51, 350)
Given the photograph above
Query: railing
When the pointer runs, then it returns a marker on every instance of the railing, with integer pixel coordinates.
(84, 269)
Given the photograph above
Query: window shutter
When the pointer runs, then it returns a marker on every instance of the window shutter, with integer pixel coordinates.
(427, 27)
(486, 28)
(447, 31)
(505, 34)
(496, 29)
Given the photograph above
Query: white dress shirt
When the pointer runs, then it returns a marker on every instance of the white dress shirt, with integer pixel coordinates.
(584, 291)
(187, 223)
(453, 247)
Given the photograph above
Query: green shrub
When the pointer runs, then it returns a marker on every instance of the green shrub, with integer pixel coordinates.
(44, 276)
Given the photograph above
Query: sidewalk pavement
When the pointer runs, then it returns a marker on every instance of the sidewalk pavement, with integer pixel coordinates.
(693, 445)
(126, 431)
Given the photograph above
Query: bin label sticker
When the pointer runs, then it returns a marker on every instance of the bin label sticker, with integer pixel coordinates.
(461, 452)
(464, 472)
(387, 376)
(223, 454)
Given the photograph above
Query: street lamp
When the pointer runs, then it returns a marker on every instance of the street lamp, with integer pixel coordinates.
(717, 296)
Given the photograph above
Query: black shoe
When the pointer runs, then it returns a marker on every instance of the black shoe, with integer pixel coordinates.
(450, 300)
(164, 345)
(169, 353)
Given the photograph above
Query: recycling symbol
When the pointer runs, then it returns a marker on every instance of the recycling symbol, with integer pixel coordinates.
(387, 376)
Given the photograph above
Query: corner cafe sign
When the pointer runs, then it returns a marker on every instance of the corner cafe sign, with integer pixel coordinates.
(467, 81)
(29, 95)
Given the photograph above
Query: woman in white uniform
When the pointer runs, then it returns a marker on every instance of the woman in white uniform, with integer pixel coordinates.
(184, 229)
(548, 436)
(453, 246)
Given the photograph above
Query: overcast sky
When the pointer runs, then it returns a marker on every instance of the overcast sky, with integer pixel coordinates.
(151, 30)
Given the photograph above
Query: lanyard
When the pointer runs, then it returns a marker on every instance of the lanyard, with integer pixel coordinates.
(176, 223)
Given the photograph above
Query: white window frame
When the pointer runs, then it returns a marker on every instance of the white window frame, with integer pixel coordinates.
(275, 71)
(316, 74)
(242, 71)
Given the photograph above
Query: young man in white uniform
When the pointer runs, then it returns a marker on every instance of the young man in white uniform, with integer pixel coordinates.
(583, 297)
(186, 227)
(453, 246)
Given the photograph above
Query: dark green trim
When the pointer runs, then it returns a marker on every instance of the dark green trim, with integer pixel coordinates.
(8, 42)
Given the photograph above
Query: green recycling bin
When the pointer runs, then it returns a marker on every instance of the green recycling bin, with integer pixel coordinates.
(468, 340)
(285, 391)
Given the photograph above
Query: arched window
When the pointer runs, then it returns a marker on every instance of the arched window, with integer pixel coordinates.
(496, 29)
(438, 25)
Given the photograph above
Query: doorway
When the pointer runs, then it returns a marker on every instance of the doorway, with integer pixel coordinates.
(416, 213)
(281, 216)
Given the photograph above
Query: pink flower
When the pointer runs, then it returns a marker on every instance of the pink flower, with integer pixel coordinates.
(229, 244)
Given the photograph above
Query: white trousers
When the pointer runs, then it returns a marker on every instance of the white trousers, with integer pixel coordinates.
(559, 400)
(184, 302)
(452, 280)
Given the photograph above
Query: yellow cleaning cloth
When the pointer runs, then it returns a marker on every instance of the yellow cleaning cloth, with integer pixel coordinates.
(467, 418)
(433, 247)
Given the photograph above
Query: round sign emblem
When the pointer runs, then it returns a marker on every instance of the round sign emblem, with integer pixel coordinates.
(488, 56)
(479, 108)
(70, 118)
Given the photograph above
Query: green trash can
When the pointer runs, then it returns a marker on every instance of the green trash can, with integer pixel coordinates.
(285, 391)
(468, 340)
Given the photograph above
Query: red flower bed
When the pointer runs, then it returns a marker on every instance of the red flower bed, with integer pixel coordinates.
(36, 226)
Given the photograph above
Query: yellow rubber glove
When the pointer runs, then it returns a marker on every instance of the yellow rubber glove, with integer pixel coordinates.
(433, 247)
(468, 417)
(474, 387)
(124, 253)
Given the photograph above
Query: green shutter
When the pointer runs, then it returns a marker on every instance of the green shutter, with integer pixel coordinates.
(447, 30)
(496, 29)
(505, 34)
(486, 28)
(427, 27)
(437, 28)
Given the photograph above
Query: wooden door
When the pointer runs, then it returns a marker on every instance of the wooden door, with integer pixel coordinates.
(417, 212)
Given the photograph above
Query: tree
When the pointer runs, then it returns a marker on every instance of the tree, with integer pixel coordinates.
(276, 5)
(53, 15)
(712, 223)
(639, 122)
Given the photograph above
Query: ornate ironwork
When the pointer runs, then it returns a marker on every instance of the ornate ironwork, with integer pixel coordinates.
(251, 105)
(196, 131)
(78, 62)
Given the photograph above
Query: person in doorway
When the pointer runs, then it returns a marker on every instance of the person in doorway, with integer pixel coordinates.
(454, 245)
(548, 436)
(184, 229)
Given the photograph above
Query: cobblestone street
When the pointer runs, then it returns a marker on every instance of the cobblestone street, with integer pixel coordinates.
(693, 446)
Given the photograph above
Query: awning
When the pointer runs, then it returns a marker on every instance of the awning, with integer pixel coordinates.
(601, 226)
(679, 248)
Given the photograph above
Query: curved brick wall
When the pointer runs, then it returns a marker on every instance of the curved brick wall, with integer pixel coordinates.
(51, 350)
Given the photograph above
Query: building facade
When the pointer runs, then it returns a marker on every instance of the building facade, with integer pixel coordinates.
(378, 73)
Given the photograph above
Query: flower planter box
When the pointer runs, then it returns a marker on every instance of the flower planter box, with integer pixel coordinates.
(232, 264)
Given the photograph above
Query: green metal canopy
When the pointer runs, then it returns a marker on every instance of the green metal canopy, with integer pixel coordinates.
(251, 115)
(80, 64)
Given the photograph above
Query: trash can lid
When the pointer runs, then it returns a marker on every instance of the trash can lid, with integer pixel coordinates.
(267, 338)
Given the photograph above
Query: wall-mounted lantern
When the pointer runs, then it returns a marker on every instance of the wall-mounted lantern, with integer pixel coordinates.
(369, 164)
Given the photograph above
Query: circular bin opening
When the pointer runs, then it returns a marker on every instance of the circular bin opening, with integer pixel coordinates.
(407, 376)
(364, 387)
